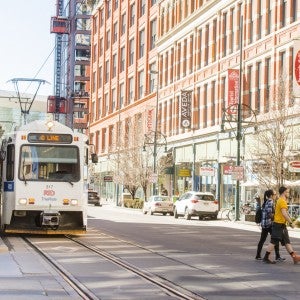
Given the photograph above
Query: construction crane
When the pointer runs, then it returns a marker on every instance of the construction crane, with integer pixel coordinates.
(60, 25)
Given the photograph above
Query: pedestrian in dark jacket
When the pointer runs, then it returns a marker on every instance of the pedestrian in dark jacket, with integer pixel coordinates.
(266, 224)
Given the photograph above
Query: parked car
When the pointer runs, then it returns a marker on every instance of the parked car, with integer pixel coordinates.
(93, 198)
(158, 204)
(199, 204)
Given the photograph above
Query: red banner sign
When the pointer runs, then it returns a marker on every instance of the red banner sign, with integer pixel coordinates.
(233, 90)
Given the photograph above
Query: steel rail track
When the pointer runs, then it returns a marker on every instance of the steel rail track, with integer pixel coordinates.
(76, 285)
(170, 288)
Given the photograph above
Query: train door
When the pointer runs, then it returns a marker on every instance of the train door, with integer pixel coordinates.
(8, 183)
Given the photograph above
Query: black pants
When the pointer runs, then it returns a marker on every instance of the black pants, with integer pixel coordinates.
(263, 237)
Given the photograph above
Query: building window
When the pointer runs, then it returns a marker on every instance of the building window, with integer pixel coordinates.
(101, 46)
(101, 14)
(152, 78)
(95, 53)
(250, 85)
(141, 43)
(80, 70)
(260, 18)
(269, 16)
(115, 34)
(79, 114)
(121, 95)
(130, 89)
(132, 14)
(153, 2)
(224, 34)
(141, 84)
(131, 51)
(106, 71)
(122, 59)
(113, 99)
(100, 76)
(114, 66)
(258, 84)
(116, 3)
(123, 23)
(94, 83)
(153, 30)
(214, 44)
(268, 83)
(294, 10)
(85, 24)
(107, 39)
(252, 19)
(108, 9)
(205, 99)
(213, 103)
(142, 7)
(106, 104)
(206, 50)
(283, 12)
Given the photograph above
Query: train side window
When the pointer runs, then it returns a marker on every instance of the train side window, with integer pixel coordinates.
(10, 162)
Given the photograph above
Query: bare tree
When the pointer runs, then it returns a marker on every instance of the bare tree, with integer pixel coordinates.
(130, 163)
(271, 144)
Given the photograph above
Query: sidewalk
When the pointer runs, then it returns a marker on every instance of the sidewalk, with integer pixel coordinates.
(25, 275)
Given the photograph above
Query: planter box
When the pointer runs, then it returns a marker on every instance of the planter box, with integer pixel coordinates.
(250, 218)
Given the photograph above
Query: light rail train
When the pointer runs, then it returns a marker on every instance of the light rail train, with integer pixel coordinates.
(44, 180)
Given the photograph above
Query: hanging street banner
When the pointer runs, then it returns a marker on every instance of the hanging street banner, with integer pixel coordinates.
(186, 109)
(150, 119)
(296, 69)
(233, 91)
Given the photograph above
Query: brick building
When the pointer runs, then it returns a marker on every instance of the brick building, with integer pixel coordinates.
(192, 46)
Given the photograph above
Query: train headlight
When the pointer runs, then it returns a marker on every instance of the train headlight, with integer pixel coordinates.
(74, 202)
(22, 201)
(31, 200)
(66, 202)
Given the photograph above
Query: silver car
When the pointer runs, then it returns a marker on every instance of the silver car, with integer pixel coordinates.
(201, 204)
(158, 204)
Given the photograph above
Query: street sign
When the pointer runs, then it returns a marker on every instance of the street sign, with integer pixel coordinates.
(207, 171)
(238, 173)
(108, 178)
(294, 166)
(153, 178)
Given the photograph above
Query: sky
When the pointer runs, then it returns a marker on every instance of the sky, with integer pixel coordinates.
(26, 44)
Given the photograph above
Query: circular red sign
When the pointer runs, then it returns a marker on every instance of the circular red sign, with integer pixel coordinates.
(297, 67)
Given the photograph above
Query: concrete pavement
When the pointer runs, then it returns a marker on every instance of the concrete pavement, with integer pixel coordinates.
(25, 275)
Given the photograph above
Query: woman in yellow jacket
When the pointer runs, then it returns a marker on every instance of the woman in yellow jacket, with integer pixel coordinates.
(279, 230)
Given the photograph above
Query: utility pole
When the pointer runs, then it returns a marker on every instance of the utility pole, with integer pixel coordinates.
(239, 125)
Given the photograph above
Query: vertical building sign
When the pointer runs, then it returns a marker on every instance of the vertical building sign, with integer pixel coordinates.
(150, 112)
(296, 69)
(186, 109)
(233, 91)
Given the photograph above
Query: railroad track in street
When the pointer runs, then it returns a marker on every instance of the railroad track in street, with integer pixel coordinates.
(165, 286)
(76, 285)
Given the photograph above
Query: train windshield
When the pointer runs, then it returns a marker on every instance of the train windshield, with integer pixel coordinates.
(49, 163)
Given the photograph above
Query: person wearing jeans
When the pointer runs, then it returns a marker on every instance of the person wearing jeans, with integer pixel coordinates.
(266, 224)
(279, 229)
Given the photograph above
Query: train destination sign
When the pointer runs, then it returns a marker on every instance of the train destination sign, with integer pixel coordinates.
(50, 138)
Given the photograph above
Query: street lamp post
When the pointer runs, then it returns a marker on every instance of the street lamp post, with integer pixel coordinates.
(155, 132)
(239, 125)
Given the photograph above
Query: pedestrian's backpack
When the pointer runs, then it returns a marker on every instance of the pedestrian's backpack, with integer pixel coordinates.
(258, 215)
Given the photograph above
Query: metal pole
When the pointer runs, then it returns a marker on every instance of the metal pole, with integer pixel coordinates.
(239, 126)
(155, 134)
